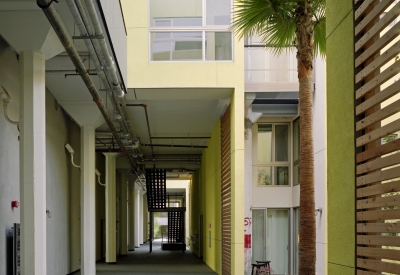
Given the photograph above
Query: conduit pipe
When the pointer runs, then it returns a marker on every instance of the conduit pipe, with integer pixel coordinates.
(98, 51)
(66, 41)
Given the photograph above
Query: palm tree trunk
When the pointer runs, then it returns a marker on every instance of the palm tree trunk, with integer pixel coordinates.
(305, 47)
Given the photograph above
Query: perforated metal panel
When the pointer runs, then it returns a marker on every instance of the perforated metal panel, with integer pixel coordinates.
(156, 188)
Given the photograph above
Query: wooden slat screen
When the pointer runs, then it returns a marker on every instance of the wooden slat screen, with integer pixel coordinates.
(377, 129)
(226, 191)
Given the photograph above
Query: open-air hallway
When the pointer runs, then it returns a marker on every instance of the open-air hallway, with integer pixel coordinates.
(140, 262)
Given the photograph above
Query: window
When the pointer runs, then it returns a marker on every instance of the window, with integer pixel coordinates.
(270, 231)
(273, 154)
(296, 151)
(189, 30)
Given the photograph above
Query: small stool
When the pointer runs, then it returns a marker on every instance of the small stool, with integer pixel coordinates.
(257, 266)
(266, 266)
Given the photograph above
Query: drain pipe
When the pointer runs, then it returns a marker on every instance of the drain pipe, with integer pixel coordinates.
(66, 41)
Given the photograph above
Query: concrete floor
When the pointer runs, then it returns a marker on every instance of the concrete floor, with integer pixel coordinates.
(141, 262)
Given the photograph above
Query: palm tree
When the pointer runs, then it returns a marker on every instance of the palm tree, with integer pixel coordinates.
(288, 24)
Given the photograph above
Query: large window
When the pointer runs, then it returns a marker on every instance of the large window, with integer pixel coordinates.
(271, 238)
(273, 154)
(187, 30)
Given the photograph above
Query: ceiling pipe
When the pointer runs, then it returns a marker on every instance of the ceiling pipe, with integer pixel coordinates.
(66, 41)
(174, 145)
(98, 51)
(147, 121)
(107, 145)
(188, 137)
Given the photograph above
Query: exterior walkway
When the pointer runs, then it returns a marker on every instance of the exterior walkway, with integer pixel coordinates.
(140, 262)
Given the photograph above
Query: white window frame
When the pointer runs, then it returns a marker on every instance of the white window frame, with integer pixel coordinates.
(204, 28)
(273, 164)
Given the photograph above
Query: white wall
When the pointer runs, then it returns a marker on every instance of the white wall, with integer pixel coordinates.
(62, 188)
(9, 150)
(320, 164)
(287, 197)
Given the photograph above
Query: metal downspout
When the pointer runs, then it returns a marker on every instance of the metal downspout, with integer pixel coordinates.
(66, 41)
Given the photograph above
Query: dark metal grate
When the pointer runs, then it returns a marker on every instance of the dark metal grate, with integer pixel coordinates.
(175, 226)
(156, 188)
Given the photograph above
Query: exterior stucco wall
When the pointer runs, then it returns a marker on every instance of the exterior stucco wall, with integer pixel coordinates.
(340, 137)
(58, 172)
(9, 153)
(210, 190)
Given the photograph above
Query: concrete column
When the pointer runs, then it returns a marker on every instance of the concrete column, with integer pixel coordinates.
(141, 217)
(137, 218)
(131, 217)
(33, 164)
(123, 236)
(111, 211)
(88, 201)
(146, 219)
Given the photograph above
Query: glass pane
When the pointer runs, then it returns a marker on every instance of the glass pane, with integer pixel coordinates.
(176, 46)
(264, 176)
(296, 139)
(179, 10)
(281, 175)
(296, 174)
(264, 143)
(258, 238)
(218, 46)
(296, 239)
(218, 12)
(278, 240)
(281, 143)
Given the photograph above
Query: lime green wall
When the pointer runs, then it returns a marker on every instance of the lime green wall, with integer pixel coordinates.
(194, 214)
(340, 137)
(210, 199)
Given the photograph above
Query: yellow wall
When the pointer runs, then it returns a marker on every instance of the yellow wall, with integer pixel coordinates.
(197, 74)
(210, 190)
(145, 74)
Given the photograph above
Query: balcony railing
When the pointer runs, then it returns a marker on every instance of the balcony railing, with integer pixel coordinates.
(266, 72)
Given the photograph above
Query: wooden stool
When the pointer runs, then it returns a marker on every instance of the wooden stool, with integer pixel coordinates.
(267, 267)
(257, 266)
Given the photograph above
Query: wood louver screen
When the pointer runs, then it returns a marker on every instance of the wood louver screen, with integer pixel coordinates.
(377, 130)
(156, 188)
(226, 191)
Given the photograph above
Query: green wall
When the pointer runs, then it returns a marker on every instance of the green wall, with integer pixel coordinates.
(340, 137)
(210, 200)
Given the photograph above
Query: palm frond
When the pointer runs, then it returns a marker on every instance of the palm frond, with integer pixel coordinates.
(279, 36)
(320, 37)
(274, 21)
(251, 16)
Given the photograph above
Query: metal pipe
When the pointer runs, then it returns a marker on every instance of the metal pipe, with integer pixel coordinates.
(66, 41)
(174, 145)
(148, 129)
(104, 144)
(188, 137)
(110, 63)
(97, 53)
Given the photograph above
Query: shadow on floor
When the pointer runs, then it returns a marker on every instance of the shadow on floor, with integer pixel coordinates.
(141, 262)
